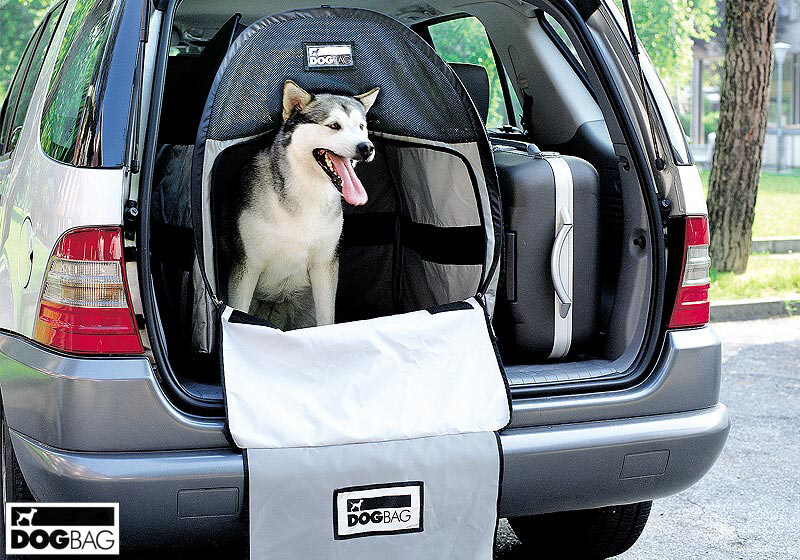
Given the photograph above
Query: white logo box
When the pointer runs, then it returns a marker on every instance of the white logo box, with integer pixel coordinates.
(35, 528)
(378, 509)
(327, 56)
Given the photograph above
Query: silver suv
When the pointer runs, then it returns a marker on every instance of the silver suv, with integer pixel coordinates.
(106, 397)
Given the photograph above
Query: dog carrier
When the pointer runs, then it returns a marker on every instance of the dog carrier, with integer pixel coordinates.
(375, 436)
(431, 230)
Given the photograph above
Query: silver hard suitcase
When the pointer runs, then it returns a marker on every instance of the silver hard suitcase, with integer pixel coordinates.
(547, 307)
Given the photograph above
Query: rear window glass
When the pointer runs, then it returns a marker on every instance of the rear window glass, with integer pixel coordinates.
(465, 40)
(33, 71)
(13, 93)
(69, 103)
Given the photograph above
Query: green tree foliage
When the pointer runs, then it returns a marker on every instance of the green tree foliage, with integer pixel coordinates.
(18, 19)
(464, 40)
(668, 28)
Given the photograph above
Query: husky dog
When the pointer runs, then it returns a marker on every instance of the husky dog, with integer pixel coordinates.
(284, 261)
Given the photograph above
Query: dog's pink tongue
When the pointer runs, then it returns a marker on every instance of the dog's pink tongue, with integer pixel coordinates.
(352, 189)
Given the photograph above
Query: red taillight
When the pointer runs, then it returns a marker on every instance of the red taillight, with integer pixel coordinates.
(692, 307)
(85, 305)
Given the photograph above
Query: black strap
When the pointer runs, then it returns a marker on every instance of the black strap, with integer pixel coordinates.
(243, 318)
(527, 112)
(452, 306)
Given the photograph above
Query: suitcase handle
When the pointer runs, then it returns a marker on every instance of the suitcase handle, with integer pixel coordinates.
(555, 261)
(528, 147)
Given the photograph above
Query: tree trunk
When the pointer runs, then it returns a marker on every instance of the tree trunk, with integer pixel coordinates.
(744, 107)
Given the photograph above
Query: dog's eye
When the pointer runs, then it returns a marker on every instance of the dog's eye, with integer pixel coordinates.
(335, 126)
(361, 126)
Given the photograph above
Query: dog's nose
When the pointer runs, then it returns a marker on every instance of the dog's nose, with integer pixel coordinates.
(365, 150)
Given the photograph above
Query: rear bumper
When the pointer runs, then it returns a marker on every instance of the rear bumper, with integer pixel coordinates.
(181, 497)
(117, 404)
(102, 430)
(596, 464)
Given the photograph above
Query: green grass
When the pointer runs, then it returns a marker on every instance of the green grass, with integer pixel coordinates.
(777, 215)
(766, 276)
(777, 205)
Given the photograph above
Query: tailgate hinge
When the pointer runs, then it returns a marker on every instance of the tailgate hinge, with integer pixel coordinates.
(130, 219)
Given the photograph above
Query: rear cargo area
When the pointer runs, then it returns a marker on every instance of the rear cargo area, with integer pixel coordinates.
(419, 242)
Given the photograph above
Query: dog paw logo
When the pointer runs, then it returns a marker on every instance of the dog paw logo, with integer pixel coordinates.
(25, 518)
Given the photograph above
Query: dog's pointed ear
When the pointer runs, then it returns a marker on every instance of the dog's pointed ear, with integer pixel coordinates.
(295, 98)
(368, 99)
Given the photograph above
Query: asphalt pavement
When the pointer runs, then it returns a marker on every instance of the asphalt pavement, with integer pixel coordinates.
(748, 505)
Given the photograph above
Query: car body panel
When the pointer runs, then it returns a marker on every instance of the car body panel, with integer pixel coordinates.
(149, 487)
(687, 377)
(55, 197)
(95, 404)
(694, 199)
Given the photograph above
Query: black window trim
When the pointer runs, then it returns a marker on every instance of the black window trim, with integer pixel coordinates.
(662, 137)
(40, 29)
(9, 105)
(2, 119)
(568, 55)
(666, 137)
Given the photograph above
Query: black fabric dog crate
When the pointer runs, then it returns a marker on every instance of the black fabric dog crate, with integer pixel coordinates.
(432, 229)
(376, 436)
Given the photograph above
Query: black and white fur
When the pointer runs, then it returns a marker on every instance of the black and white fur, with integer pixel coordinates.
(284, 261)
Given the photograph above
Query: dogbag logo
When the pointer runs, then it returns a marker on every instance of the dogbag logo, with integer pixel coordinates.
(378, 509)
(329, 56)
(86, 529)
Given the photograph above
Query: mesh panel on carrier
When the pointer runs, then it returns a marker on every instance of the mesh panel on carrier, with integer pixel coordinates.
(417, 97)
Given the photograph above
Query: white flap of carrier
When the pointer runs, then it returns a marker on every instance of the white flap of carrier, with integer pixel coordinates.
(426, 373)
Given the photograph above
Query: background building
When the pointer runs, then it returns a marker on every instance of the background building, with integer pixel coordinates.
(698, 102)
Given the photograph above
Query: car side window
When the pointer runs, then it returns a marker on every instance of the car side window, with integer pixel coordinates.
(465, 40)
(14, 91)
(70, 95)
(32, 75)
